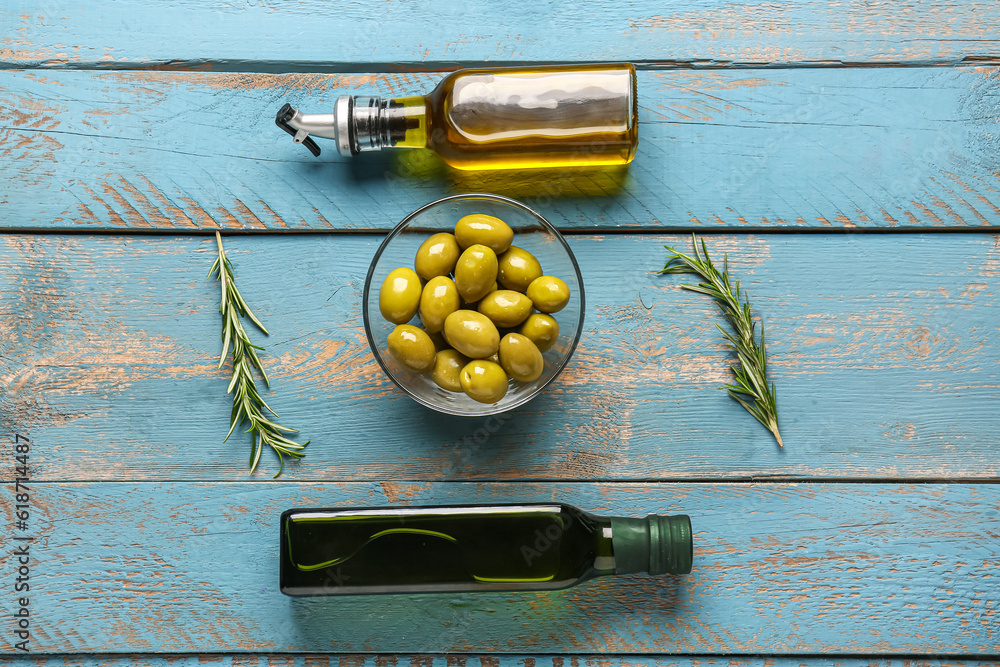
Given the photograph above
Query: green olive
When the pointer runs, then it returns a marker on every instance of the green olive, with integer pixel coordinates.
(412, 347)
(437, 256)
(541, 329)
(438, 300)
(400, 295)
(506, 308)
(475, 272)
(516, 269)
(484, 381)
(520, 358)
(548, 293)
(472, 334)
(447, 373)
(491, 232)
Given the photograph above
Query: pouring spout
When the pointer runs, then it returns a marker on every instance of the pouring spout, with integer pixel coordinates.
(304, 126)
(301, 125)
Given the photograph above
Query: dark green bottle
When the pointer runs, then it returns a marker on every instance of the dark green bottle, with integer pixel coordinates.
(471, 548)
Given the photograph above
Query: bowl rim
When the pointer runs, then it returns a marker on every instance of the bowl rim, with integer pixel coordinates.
(487, 408)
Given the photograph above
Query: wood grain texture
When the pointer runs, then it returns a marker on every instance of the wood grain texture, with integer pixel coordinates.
(464, 660)
(779, 569)
(884, 348)
(347, 34)
(794, 149)
(154, 547)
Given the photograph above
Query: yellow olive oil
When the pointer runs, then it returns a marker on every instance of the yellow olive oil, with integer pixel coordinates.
(493, 118)
(470, 548)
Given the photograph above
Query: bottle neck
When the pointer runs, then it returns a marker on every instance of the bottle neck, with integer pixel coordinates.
(604, 550)
(374, 123)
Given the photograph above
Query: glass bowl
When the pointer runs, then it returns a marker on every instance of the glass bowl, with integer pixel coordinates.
(531, 232)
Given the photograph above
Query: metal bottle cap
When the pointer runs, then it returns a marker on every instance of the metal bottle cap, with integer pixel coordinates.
(656, 544)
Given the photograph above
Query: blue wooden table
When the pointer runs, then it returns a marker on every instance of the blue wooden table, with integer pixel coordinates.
(846, 154)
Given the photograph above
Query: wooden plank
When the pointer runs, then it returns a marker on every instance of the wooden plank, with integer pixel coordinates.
(884, 349)
(793, 149)
(463, 660)
(779, 569)
(340, 36)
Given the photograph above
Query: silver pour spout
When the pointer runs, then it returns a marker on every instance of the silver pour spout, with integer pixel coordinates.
(353, 125)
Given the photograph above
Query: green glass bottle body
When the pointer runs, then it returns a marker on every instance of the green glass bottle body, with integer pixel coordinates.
(462, 548)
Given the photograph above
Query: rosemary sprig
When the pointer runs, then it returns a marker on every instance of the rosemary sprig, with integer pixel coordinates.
(751, 372)
(248, 406)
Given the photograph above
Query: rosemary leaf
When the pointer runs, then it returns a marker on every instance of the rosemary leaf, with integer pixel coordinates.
(750, 374)
(248, 406)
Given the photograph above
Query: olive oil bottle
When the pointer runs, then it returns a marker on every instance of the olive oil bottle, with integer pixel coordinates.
(500, 118)
(471, 548)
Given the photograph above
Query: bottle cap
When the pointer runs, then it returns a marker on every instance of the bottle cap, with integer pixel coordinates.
(656, 544)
